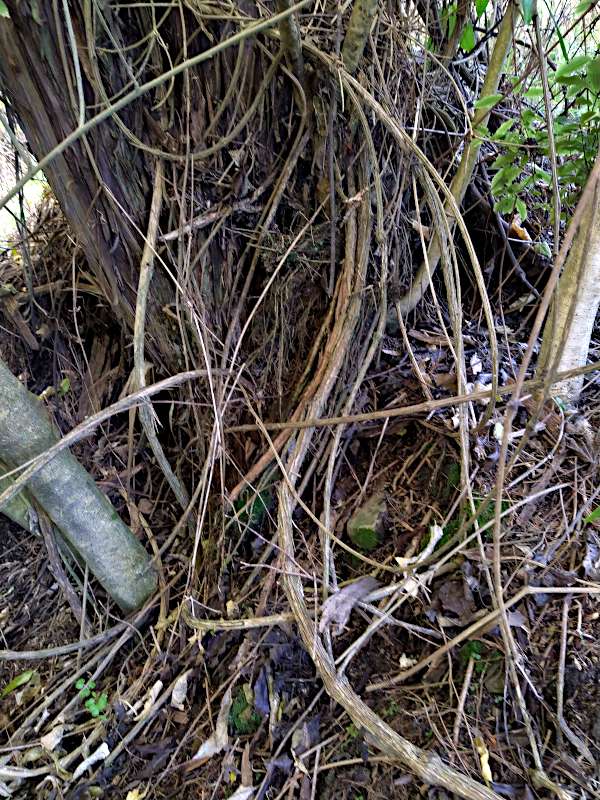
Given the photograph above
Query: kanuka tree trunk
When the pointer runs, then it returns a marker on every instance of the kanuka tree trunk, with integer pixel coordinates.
(102, 181)
(568, 329)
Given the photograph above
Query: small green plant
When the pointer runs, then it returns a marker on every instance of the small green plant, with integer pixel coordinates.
(242, 716)
(391, 710)
(522, 180)
(95, 702)
(352, 731)
(595, 514)
(253, 507)
(365, 538)
(483, 656)
(472, 650)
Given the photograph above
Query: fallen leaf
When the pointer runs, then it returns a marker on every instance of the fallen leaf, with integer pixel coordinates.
(137, 793)
(591, 561)
(242, 793)
(305, 737)
(261, 694)
(150, 700)
(516, 619)
(52, 739)
(476, 365)
(484, 759)
(338, 606)
(220, 739)
(456, 598)
(246, 769)
(179, 692)
(517, 229)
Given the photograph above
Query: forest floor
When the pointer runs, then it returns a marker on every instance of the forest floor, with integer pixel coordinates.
(199, 697)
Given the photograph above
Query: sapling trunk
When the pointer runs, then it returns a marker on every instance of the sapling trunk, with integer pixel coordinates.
(72, 500)
(568, 329)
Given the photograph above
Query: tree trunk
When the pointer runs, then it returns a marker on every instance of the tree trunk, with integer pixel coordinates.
(568, 329)
(101, 182)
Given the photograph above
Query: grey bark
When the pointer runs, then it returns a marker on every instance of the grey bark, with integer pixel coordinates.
(72, 500)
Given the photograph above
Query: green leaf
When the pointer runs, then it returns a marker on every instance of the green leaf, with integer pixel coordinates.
(252, 508)
(542, 175)
(583, 7)
(364, 526)
(505, 205)
(452, 20)
(534, 92)
(102, 702)
(505, 160)
(503, 177)
(19, 680)
(3, 9)
(571, 67)
(593, 74)
(471, 650)
(63, 387)
(467, 40)
(242, 716)
(93, 706)
(528, 10)
(543, 249)
(561, 40)
(528, 117)
(448, 20)
(489, 101)
(593, 516)
(80, 683)
(480, 7)
(503, 129)
(521, 209)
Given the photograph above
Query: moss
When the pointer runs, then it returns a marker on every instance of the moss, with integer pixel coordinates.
(242, 716)
(365, 538)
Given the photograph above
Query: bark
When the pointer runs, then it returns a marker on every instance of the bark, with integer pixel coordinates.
(568, 330)
(101, 182)
(72, 500)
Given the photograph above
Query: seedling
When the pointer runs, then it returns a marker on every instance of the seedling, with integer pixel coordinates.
(95, 702)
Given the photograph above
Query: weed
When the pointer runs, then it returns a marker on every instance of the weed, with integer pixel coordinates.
(95, 702)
